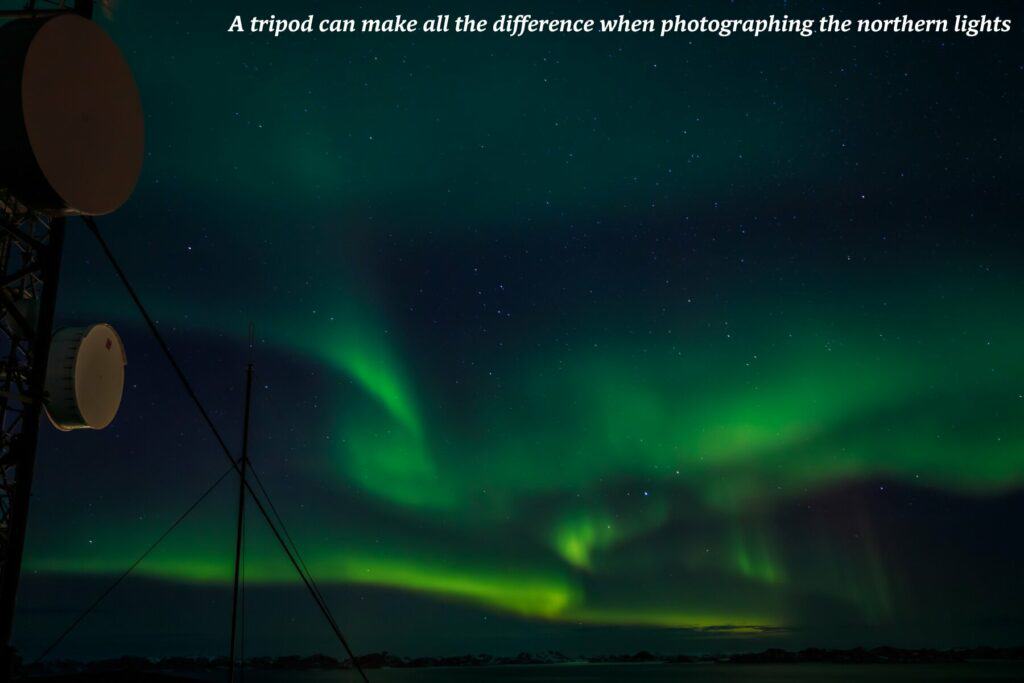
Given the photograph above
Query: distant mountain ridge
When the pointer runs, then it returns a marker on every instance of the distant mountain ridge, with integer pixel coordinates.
(878, 655)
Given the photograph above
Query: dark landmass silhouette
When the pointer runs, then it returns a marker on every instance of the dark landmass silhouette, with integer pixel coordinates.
(111, 677)
(143, 670)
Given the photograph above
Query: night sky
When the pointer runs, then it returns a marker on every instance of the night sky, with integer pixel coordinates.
(591, 342)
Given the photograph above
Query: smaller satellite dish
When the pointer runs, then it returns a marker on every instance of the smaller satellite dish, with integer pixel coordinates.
(84, 377)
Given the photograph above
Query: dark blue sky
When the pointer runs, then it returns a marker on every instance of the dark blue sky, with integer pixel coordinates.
(588, 342)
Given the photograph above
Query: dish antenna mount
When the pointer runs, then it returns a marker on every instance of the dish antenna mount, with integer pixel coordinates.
(71, 143)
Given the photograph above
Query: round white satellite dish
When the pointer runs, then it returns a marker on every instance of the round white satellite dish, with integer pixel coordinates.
(84, 377)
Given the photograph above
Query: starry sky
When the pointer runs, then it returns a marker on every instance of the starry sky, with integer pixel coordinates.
(589, 342)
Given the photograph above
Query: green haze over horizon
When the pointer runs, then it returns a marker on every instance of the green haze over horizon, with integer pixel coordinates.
(715, 336)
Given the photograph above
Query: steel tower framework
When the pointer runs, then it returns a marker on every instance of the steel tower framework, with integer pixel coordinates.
(31, 245)
(30, 255)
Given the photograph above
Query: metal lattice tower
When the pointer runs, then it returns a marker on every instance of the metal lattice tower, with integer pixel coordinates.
(30, 255)
(31, 246)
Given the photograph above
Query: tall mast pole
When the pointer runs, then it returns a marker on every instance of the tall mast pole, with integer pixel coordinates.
(240, 528)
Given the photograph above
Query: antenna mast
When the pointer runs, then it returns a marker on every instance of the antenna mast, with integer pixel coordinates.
(45, 135)
(31, 247)
(240, 530)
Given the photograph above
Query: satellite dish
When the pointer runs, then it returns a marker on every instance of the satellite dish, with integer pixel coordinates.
(84, 377)
(71, 116)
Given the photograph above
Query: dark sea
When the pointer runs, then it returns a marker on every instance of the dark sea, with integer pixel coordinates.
(697, 673)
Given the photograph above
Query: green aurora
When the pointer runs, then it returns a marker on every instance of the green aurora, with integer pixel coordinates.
(545, 348)
(805, 404)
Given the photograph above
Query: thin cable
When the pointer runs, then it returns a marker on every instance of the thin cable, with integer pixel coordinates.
(240, 531)
(95, 603)
(317, 598)
(284, 529)
(270, 501)
(156, 334)
(324, 609)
